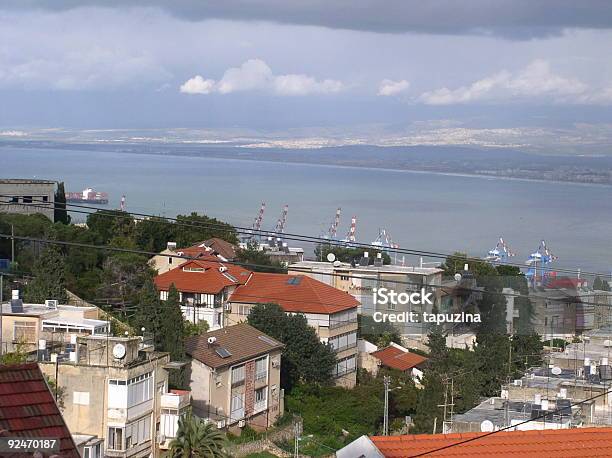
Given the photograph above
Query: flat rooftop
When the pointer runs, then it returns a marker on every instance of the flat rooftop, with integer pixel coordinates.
(25, 181)
(386, 268)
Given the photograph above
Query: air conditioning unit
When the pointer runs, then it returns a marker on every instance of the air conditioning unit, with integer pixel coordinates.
(228, 307)
(518, 382)
(220, 424)
(51, 304)
(242, 423)
(274, 363)
(211, 340)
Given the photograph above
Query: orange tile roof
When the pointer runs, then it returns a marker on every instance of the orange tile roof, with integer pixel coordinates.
(210, 281)
(395, 358)
(222, 247)
(561, 443)
(294, 293)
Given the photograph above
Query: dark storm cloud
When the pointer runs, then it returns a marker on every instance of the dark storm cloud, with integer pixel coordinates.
(516, 19)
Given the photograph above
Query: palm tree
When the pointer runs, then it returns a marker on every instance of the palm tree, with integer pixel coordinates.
(197, 439)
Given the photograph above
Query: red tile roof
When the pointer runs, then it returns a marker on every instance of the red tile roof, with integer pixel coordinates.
(242, 341)
(221, 247)
(209, 281)
(396, 358)
(28, 409)
(561, 443)
(294, 293)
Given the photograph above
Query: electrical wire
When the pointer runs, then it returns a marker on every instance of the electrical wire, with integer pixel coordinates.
(287, 236)
(252, 265)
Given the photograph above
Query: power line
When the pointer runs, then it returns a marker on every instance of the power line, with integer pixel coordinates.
(252, 265)
(290, 236)
(543, 415)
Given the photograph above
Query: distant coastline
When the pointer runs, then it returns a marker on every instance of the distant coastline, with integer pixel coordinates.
(592, 175)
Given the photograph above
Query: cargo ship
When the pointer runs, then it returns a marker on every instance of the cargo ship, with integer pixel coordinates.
(88, 196)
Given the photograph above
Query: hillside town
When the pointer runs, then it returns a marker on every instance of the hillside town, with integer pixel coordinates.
(141, 336)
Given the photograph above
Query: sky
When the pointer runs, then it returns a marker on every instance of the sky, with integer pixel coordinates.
(309, 65)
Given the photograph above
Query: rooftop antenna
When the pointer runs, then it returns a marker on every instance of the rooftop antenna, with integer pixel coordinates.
(122, 205)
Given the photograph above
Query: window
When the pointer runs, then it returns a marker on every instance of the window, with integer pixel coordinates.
(261, 399)
(138, 432)
(244, 310)
(163, 295)
(24, 331)
(344, 366)
(261, 368)
(237, 375)
(237, 407)
(140, 389)
(27, 199)
(115, 438)
(344, 341)
(344, 277)
(45, 199)
(14, 199)
(170, 260)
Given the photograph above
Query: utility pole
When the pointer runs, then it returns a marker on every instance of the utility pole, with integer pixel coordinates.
(386, 381)
(12, 244)
(296, 430)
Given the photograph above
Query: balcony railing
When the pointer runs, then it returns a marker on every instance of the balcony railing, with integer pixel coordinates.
(339, 324)
(345, 347)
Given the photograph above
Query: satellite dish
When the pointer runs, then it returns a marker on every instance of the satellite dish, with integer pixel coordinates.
(556, 370)
(119, 351)
(487, 426)
(337, 263)
(457, 277)
(331, 257)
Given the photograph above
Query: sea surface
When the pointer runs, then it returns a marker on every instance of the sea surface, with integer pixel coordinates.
(422, 211)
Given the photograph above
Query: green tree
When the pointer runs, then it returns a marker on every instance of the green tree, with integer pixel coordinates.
(60, 213)
(258, 260)
(380, 334)
(600, 285)
(305, 358)
(427, 410)
(493, 353)
(149, 312)
(171, 326)
(196, 439)
(49, 280)
(195, 329)
(153, 234)
(110, 223)
(194, 228)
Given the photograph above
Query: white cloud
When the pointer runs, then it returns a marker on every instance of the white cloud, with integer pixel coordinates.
(304, 84)
(535, 80)
(256, 75)
(390, 87)
(252, 75)
(197, 85)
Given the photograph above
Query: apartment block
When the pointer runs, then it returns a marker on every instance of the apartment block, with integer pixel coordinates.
(27, 197)
(235, 377)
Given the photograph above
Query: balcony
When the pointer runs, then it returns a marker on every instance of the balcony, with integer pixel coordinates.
(340, 324)
(176, 399)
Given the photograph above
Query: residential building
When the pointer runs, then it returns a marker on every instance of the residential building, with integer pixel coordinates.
(550, 443)
(279, 252)
(397, 358)
(235, 376)
(361, 279)
(331, 312)
(28, 197)
(204, 287)
(42, 326)
(498, 413)
(174, 405)
(112, 389)
(214, 249)
(28, 410)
